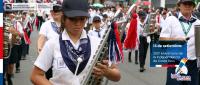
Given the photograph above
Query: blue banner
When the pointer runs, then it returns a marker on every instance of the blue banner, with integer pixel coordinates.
(167, 53)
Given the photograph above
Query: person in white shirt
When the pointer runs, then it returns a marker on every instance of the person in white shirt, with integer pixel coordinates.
(105, 21)
(73, 46)
(97, 31)
(181, 27)
(17, 34)
(143, 40)
(50, 28)
(110, 13)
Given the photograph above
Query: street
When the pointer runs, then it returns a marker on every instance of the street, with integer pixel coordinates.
(129, 71)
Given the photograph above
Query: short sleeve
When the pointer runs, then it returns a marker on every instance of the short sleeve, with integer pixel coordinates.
(45, 59)
(44, 28)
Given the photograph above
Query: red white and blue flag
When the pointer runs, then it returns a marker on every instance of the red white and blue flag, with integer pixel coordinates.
(115, 47)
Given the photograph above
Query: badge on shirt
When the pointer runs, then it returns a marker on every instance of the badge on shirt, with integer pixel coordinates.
(60, 63)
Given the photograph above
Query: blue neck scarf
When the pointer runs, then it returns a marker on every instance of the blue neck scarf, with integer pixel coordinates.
(70, 54)
(55, 27)
(182, 19)
(98, 31)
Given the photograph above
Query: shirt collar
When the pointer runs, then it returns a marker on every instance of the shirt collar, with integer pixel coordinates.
(65, 35)
(52, 21)
(99, 28)
(192, 18)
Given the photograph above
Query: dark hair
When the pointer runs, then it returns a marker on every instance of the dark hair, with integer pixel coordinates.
(121, 5)
(32, 14)
(24, 13)
(62, 27)
(166, 9)
(56, 8)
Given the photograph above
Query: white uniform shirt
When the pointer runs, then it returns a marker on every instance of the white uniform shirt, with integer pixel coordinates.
(18, 26)
(173, 29)
(140, 30)
(51, 56)
(47, 30)
(111, 14)
(25, 23)
(94, 33)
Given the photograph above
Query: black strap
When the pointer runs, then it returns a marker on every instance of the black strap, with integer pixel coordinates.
(98, 31)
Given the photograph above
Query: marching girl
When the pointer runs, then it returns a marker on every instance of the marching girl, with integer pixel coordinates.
(72, 50)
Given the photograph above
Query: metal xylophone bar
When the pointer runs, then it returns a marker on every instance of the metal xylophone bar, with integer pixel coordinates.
(197, 43)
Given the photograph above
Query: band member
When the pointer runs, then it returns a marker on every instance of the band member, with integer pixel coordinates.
(105, 21)
(50, 29)
(72, 46)
(181, 27)
(17, 32)
(143, 46)
(28, 28)
(97, 31)
(131, 39)
(20, 43)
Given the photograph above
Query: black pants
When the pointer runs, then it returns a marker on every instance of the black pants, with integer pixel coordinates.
(27, 47)
(199, 77)
(13, 58)
(136, 55)
(192, 71)
(154, 37)
(143, 46)
(24, 49)
(19, 56)
(123, 37)
(5, 67)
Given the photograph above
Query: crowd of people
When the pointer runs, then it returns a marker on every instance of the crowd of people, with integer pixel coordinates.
(70, 33)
